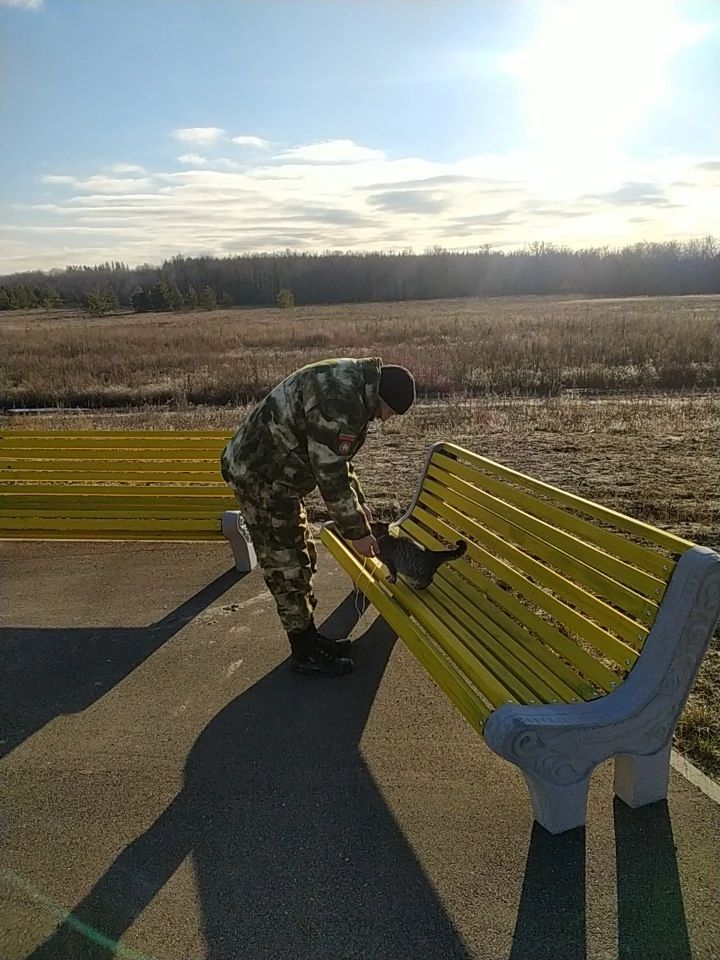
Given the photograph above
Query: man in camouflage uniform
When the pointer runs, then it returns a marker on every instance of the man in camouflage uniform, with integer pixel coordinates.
(303, 435)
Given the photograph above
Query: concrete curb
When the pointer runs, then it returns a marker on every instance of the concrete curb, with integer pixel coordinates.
(695, 776)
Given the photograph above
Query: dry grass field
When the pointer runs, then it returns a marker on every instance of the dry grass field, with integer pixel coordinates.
(506, 347)
(612, 399)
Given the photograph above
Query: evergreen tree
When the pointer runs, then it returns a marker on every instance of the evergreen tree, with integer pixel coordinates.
(140, 300)
(161, 297)
(208, 299)
(52, 298)
(285, 299)
(101, 301)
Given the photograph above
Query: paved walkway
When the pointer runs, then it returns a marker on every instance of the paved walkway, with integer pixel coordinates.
(169, 784)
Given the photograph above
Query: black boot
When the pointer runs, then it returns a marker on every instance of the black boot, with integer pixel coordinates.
(336, 648)
(308, 656)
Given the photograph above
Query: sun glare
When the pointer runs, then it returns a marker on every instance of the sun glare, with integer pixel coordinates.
(595, 69)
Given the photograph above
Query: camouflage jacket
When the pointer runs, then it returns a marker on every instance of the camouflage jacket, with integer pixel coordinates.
(304, 434)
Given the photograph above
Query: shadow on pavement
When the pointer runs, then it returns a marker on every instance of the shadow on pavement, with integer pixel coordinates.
(50, 672)
(651, 913)
(295, 851)
(551, 915)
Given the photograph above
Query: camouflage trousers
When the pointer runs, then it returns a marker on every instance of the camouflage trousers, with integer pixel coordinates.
(277, 523)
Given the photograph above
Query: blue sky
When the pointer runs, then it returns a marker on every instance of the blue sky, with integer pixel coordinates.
(141, 129)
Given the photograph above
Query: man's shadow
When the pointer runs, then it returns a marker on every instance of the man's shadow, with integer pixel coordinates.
(50, 672)
(295, 852)
(551, 920)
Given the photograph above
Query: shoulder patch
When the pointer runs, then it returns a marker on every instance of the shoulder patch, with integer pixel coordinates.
(345, 443)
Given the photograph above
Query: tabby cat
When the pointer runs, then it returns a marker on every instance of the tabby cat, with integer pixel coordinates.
(416, 565)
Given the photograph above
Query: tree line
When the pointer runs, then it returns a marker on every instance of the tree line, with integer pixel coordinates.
(284, 279)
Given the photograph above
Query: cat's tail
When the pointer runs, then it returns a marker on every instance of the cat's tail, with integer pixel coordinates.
(459, 551)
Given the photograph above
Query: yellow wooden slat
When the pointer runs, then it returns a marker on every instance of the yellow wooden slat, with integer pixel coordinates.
(568, 686)
(22, 506)
(628, 630)
(83, 436)
(18, 493)
(118, 513)
(59, 468)
(517, 527)
(110, 475)
(112, 485)
(448, 678)
(492, 600)
(669, 541)
(494, 681)
(616, 650)
(485, 671)
(176, 536)
(489, 596)
(529, 511)
(77, 489)
(497, 656)
(649, 569)
(529, 659)
(60, 455)
(58, 523)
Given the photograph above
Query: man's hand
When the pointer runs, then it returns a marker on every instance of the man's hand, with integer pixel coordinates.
(367, 547)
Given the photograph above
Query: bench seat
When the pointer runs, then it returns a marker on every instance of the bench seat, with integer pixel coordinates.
(537, 635)
(118, 485)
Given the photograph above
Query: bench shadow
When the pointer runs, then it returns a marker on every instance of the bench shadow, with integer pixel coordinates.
(551, 915)
(50, 672)
(551, 918)
(651, 913)
(296, 854)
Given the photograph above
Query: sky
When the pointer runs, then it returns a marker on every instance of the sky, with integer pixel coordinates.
(138, 130)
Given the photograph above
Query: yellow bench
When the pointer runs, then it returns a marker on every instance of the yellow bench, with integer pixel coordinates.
(569, 634)
(117, 485)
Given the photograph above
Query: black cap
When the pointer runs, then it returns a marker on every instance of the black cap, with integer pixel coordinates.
(397, 387)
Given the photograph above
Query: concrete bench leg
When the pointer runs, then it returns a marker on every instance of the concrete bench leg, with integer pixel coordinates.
(233, 527)
(558, 807)
(643, 780)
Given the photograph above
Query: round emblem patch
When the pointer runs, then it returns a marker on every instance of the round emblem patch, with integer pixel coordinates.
(345, 444)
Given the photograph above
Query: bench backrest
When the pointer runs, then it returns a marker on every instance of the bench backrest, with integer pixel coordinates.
(152, 485)
(574, 585)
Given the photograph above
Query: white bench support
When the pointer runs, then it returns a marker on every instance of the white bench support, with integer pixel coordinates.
(643, 780)
(558, 747)
(233, 527)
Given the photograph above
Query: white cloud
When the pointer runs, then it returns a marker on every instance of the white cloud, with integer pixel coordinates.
(126, 168)
(221, 206)
(257, 142)
(331, 151)
(199, 134)
(27, 4)
(103, 184)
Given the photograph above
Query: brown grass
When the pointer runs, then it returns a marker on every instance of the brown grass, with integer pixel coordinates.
(654, 456)
(506, 347)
